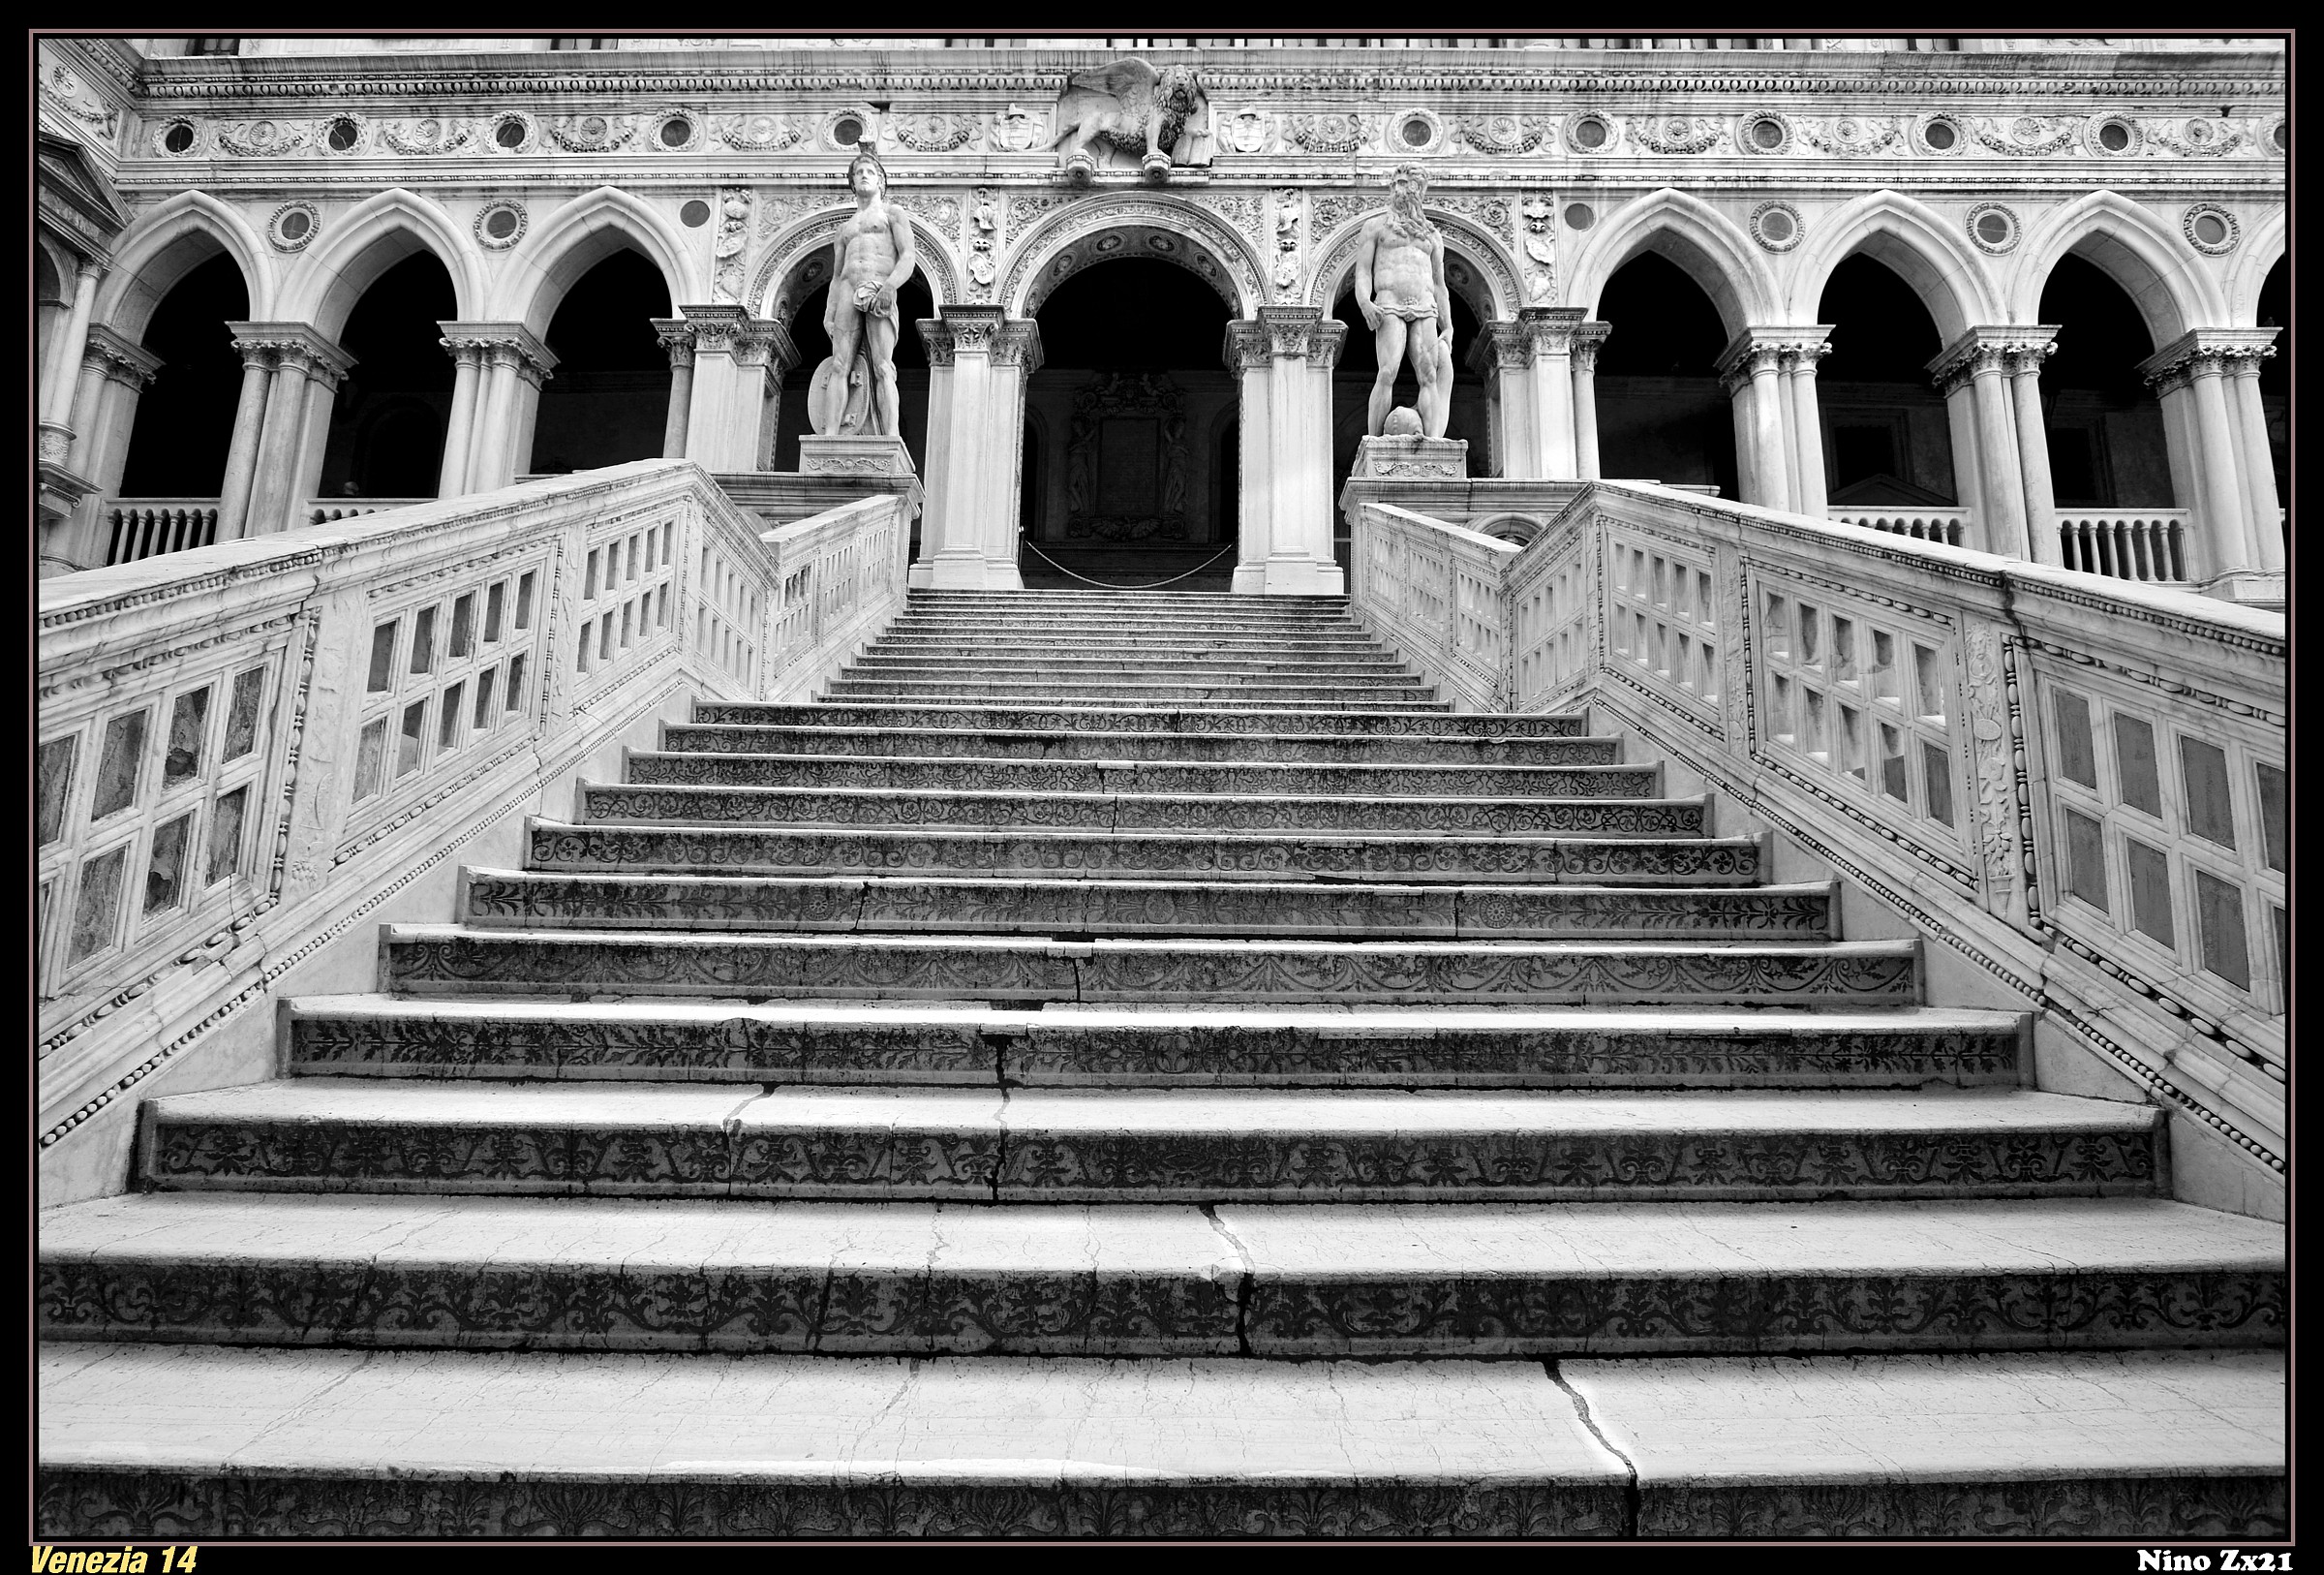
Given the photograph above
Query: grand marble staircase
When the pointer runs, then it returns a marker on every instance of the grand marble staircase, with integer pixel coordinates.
(949, 1108)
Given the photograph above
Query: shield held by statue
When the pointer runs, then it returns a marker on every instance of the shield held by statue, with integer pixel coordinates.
(838, 402)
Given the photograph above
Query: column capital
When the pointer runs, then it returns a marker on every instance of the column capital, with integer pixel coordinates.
(1587, 338)
(505, 343)
(1549, 330)
(1992, 346)
(2200, 351)
(111, 352)
(987, 330)
(1300, 334)
(299, 345)
(675, 335)
(1759, 349)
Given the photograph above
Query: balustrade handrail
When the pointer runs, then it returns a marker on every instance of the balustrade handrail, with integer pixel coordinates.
(2073, 779)
(247, 748)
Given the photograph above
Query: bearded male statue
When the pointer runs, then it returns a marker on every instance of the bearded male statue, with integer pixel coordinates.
(871, 259)
(1400, 291)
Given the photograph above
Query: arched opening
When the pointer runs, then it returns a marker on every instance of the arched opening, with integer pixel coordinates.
(2275, 372)
(608, 400)
(185, 421)
(1661, 416)
(1467, 418)
(1886, 440)
(50, 308)
(2104, 424)
(1131, 388)
(913, 302)
(389, 419)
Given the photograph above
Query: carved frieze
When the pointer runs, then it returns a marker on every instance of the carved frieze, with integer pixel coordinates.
(1989, 729)
(591, 133)
(1853, 138)
(262, 138)
(1328, 134)
(1248, 132)
(2201, 137)
(1286, 272)
(1676, 134)
(62, 90)
(2028, 136)
(1016, 129)
(932, 132)
(1505, 135)
(428, 135)
(757, 133)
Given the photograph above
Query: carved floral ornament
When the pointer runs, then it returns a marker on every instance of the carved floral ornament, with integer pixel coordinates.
(929, 133)
(1506, 136)
(1678, 134)
(69, 94)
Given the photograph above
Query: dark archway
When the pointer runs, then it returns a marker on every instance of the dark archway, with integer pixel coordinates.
(2104, 423)
(185, 421)
(608, 401)
(1886, 437)
(1661, 416)
(2275, 373)
(912, 303)
(1132, 387)
(388, 420)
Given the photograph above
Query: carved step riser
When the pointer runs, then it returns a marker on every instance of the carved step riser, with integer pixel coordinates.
(658, 768)
(1332, 911)
(1145, 720)
(842, 969)
(1184, 669)
(848, 1309)
(1116, 699)
(623, 849)
(1124, 812)
(685, 738)
(1226, 1055)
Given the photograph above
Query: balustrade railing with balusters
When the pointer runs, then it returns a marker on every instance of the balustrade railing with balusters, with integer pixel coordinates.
(1950, 526)
(2147, 545)
(324, 510)
(251, 754)
(142, 528)
(2074, 783)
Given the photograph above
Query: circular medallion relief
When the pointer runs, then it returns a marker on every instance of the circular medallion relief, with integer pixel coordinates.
(1765, 132)
(1161, 244)
(694, 214)
(1417, 130)
(1579, 216)
(500, 225)
(343, 134)
(845, 131)
(1776, 226)
(1938, 135)
(1993, 226)
(293, 225)
(2112, 137)
(512, 133)
(2279, 136)
(1589, 134)
(675, 131)
(176, 138)
(2210, 228)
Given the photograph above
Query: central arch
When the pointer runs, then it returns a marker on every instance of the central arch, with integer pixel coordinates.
(1168, 229)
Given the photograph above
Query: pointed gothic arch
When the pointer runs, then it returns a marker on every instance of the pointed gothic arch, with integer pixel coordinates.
(2133, 247)
(577, 237)
(326, 284)
(162, 246)
(1703, 242)
(1951, 278)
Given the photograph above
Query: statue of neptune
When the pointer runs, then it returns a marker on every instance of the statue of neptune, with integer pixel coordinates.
(1400, 291)
(871, 259)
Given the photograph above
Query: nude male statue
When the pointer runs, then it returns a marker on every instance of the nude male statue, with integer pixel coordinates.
(1400, 291)
(871, 259)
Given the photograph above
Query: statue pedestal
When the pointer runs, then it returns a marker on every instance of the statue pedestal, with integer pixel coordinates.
(859, 453)
(1412, 456)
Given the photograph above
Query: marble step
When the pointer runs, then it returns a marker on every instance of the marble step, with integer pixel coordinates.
(995, 1046)
(1110, 906)
(1118, 699)
(1037, 1146)
(1260, 1279)
(1054, 719)
(151, 1440)
(1002, 640)
(1101, 690)
(1031, 744)
(1236, 667)
(441, 960)
(1232, 778)
(598, 803)
(557, 846)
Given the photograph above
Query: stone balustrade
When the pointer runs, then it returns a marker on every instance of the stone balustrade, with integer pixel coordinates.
(140, 528)
(1950, 526)
(326, 511)
(251, 754)
(2148, 544)
(2072, 785)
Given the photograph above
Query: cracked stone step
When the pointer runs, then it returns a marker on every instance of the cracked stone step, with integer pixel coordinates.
(265, 1442)
(2063, 1444)
(1097, 904)
(598, 803)
(732, 738)
(1301, 779)
(1143, 1146)
(869, 1042)
(221, 1442)
(423, 959)
(1065, 720)
(1300, 1281)
(557, 846)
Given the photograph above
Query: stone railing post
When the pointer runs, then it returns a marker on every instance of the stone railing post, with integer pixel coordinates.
(979, 361)
(1284, 362)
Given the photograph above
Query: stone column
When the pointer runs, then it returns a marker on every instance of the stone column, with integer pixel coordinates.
(2204, 555)
(1504, 353)
(1286, 507)
(1750, 369)
(980, 360)
(2194, 368)
(242, 450)
(2024, 358)
(459, 430)
(1549, 334)
(113, 374)
(62, 385)
(675, 336)
(1587, 338)
(491, 431)
(1801, 350)
(1978, 358)
(2259, 465)
(306, 369)
(726, 396)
